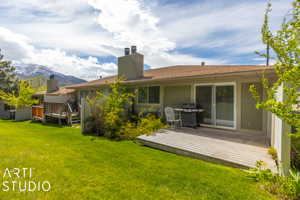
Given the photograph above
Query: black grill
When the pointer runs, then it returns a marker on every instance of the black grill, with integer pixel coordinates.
(189, 115)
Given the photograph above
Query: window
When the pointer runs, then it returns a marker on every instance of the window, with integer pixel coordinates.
(149, 95)
(143, 95)
(154, 94)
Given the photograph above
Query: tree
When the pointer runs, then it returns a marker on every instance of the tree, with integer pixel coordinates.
(108, 110)
(8, 78)
(21, 100)
(285, 44)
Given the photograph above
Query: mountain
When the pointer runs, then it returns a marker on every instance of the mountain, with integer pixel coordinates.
(26, 71)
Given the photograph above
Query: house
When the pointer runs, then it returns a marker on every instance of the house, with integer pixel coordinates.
(222, 91)
(59, 104)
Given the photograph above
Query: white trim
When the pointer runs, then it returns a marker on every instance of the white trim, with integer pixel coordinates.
(234, 84)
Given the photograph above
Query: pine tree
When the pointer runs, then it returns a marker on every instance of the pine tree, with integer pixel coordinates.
(8, 78)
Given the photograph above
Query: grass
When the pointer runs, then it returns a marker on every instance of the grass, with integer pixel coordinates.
(85, 167)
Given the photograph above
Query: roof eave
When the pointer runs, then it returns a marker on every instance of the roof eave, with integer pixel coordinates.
(130, 82)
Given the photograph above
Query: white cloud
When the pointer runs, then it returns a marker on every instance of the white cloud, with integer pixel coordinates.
(230, 25)
(59, 34)
(132, 23)
(19, 49)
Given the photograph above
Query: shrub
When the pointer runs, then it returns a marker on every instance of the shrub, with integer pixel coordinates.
(273, 153)
(144, 126)
(150, 124)
(295, 154)
(284, 187)
(108, 112)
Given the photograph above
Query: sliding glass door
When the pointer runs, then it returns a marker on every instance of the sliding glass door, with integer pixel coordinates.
(218, 104)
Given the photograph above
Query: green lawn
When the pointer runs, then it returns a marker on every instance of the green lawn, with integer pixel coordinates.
(85, 167)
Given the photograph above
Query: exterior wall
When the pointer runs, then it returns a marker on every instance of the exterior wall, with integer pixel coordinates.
(3, 113)
(131, 66)
(280, 139)
(175, 92)
(84, 114)
(55, 99)
(177, 95)
(23, 114)
(251, 118)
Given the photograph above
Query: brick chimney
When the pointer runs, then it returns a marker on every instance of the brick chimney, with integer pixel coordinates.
(52, 84)
(131, 65)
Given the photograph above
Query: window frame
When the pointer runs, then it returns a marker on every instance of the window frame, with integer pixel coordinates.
(147, 95)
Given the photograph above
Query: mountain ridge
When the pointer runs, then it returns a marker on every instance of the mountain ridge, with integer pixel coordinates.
(26, 71)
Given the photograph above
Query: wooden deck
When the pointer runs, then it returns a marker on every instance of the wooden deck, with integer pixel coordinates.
(225, 147)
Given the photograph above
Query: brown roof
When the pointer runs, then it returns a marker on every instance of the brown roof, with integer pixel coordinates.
(181, 71)
(61, 91)
(40, 93)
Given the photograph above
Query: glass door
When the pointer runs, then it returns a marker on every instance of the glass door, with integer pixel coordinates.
(224, 106)
(217, 101)
(204, 99)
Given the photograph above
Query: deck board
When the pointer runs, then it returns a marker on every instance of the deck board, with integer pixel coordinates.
(199, 144)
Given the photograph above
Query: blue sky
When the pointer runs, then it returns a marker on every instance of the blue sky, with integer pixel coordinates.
(84, 38)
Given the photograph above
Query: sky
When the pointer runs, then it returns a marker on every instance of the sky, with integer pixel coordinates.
(83, 38)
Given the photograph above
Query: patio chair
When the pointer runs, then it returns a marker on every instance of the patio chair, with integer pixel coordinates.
(171, 118)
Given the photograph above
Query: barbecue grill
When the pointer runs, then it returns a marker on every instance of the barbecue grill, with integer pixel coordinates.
(189, 114)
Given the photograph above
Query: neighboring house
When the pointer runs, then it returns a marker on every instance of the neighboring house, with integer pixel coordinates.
(221, 90)
(56, 103)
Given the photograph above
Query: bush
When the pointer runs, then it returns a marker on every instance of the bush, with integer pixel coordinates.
(273, 153)
(284, 187)
(295, 153)
(145, 125)
(110, 115)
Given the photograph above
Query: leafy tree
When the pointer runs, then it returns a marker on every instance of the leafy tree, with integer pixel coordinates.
(109, 116)
(8, 78)
(108, 110)
(21, 100)
(286, 46)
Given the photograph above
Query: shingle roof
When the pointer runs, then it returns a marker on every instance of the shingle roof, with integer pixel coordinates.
(180, 71)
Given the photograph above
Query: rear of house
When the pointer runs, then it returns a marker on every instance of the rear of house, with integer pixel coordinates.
(222, 91)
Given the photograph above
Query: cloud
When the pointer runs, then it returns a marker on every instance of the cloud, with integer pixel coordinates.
(232, 26)
(132, 23)
(15, 45)
(75, 38)
(19, 49)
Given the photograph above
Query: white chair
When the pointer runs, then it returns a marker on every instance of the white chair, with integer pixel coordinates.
(171, 117)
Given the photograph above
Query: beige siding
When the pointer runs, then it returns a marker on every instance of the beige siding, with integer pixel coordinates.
(251, 118)
(177, 95)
